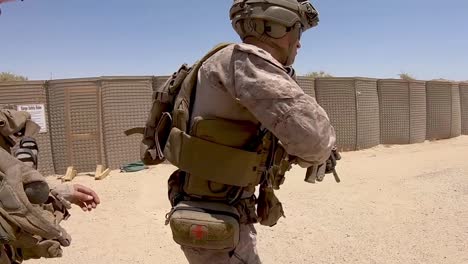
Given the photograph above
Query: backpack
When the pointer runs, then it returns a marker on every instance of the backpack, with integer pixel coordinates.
(161, 116)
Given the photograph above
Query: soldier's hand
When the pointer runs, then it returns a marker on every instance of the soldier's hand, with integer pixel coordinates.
(77, 194)
(84, 197)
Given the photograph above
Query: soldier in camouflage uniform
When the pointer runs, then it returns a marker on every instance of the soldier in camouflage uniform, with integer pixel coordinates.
(30, 211)
(253, 81)
(235, 121)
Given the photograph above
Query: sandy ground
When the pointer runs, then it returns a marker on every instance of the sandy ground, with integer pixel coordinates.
(395, 204)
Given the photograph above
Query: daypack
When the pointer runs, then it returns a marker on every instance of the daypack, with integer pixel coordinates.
(161, 116)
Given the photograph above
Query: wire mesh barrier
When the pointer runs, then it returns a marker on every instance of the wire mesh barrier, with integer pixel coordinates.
(83, 120)
(31, 96)
(75, 122)
(307, 84)
(353, 107)
(402, 111)
(126, 102)
(443, 110)
(464, 107)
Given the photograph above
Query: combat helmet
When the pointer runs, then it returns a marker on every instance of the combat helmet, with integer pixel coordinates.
(271, 17)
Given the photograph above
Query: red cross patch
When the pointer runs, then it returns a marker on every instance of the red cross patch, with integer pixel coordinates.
(198, 232)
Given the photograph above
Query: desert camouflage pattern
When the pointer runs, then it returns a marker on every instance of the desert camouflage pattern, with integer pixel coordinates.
(244, 82)
(33, 228)
(11, 122)
(30, 213)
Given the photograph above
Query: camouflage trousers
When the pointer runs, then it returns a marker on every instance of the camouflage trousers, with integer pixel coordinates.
(245, 252)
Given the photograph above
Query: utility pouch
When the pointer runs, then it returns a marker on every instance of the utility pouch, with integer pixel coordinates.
(206, 225)
(269, 208)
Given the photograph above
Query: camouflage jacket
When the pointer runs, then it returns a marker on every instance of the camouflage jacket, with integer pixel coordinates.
(244, 82)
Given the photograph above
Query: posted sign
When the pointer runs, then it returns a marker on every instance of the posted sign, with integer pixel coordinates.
(37, 112)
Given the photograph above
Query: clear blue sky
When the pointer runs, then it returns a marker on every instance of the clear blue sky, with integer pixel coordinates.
(370, 38)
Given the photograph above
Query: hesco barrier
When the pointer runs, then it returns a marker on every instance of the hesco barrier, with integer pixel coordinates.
(85, 118)
(31, 96)
(402, 111)
(307, 84)
(126, 102)
(159, 80)
(443, 110)
(353, 107)
(75, 113)
(464, 107)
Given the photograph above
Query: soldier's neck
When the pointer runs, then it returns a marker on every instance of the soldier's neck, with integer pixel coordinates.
(268, 48)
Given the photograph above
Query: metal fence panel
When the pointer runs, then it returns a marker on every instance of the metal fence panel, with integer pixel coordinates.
(455, 130)
(86, 117)
(338, 97)
(464, 107)
(439, 109)
(402, 111)
(307, 84)
(26, 93)
(418, 111)
(394, 111)
(368, 120)
(56, 94)
(75, 125)
(126, 102)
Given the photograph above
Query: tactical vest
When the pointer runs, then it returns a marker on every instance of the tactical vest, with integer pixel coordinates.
(17, 133)
(219, 158)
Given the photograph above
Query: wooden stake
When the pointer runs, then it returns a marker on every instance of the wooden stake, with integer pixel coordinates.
(99, 169)
(70, 174)
(103, 174)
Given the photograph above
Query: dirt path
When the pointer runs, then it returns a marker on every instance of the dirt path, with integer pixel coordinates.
(397, 204)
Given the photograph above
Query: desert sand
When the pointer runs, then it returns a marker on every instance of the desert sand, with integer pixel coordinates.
(395, 204)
